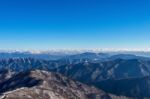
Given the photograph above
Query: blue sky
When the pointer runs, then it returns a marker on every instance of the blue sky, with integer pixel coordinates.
(60, 24)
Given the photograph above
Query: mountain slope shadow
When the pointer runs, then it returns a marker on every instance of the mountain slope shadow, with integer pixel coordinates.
(18, 81)
(131, 87)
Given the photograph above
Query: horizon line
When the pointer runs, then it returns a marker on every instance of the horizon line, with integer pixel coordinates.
(79, 50)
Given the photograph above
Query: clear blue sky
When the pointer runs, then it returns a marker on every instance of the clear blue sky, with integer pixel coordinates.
(46, 24)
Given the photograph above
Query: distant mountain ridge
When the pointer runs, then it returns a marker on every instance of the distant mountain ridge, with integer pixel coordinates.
(79, 56)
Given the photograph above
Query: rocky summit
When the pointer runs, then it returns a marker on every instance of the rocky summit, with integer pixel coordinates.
(48, 85)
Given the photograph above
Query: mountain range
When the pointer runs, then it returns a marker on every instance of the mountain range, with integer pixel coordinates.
(102, 76)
